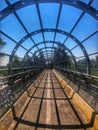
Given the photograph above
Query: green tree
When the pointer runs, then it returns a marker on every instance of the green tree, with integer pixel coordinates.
(16, 62)
(96, 62)
(2, 44)
(28, 61)
(61, 55)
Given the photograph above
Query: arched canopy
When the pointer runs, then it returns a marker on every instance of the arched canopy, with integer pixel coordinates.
(23, 3)
(30, 27)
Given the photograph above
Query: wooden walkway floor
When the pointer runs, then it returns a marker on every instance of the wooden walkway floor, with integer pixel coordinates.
(49, 109)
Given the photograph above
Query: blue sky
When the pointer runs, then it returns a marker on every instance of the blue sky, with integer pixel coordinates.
(49, 12)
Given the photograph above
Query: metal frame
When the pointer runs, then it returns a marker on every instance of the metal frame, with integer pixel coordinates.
(75, 3)
(72, 75)
(52, 30)
(52, 50)
(86, 8)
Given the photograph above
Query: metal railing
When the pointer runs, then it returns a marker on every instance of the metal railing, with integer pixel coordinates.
(13, 86)
(83, 84)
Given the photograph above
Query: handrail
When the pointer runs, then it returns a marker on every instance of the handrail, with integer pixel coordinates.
(83, 84)
(76, 72)
(13, 84)
(83, 81)
(18, 74)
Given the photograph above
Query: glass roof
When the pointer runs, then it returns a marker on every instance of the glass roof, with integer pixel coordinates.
(28, 26)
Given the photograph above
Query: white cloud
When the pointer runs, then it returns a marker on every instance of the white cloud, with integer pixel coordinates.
(4, 61)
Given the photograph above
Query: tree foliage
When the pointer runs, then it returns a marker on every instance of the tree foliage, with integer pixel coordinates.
(16, 62)
(61, 55)
(96, 63)
(28, 62)
(2, 43)
(34, 60)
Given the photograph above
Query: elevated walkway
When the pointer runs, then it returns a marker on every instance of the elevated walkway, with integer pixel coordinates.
(50, 103)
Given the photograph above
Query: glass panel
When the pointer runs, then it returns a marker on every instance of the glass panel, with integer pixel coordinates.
(91, 44)
(2, 5)
(37, 37)
(20, 52)
(70, 43)
(69, 16)
(60, 37)
(49, 36)
(77, 52)
(8, 48)
(12, 27)
(86, 26)
(95, 4)
(13, 1)
(31, 21)
(49, 13)
(28, 43)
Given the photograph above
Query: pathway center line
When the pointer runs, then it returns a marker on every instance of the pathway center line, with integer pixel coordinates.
(48, 106)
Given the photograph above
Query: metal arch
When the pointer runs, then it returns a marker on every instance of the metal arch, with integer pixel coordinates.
(38, 54)
(82, 14)
(78, 4)
(50, 52)
(45, 51)
(58, 20)
(44, 48)
(53, 30)
(44, 30)
(75, 3)
(55, 48)
(54, 43)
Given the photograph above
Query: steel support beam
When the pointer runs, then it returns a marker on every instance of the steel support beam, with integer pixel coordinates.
(59, 31)
(56, 49)
(21, 4)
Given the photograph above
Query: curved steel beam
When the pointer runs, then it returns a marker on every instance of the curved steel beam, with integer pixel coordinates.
(54, 43)
(58, 31)
(51, 50)
(50, 53)
(45, 30)
(75, 3)
(44, 48)
(56, 49)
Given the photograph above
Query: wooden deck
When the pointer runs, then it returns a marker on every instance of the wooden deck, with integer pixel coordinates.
(49, 108)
